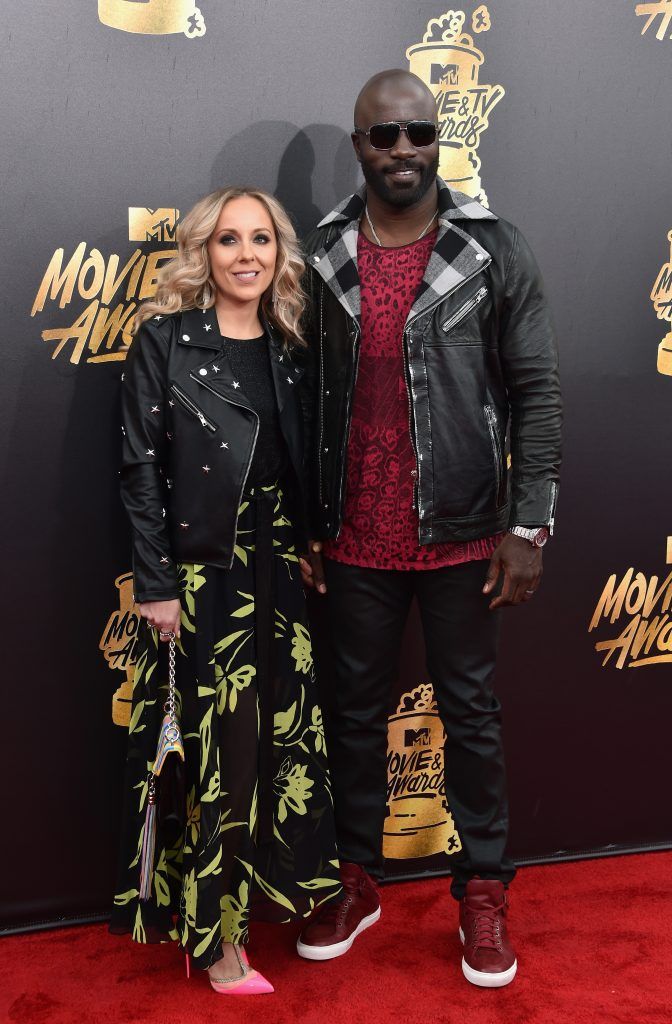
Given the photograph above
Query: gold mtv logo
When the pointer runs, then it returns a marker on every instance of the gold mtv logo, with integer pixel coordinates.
(153, 17)
(444, 74)
(152, 225)
(417, 737)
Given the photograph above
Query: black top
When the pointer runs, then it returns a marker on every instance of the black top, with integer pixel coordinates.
(251, 365)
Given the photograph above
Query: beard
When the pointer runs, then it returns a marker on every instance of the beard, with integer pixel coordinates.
(401, 196)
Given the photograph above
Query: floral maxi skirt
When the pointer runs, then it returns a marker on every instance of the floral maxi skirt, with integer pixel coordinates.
(245, 826)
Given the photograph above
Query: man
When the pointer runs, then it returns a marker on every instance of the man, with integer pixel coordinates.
(435, 358)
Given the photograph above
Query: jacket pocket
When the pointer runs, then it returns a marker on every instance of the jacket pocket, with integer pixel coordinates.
(465, 310)
(191, 407)
(491, 420)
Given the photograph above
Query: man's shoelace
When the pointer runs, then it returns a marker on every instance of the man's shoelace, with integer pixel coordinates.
(486, 928)
(336, 912)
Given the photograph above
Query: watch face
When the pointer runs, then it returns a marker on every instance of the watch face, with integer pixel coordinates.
(541, 537)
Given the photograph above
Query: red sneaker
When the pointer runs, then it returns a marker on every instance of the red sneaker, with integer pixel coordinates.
(334, 928)
(489, 960)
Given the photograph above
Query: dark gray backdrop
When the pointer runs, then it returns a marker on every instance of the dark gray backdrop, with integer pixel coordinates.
(577, 154)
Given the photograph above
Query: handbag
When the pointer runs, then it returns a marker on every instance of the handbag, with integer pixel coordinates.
(170, 742)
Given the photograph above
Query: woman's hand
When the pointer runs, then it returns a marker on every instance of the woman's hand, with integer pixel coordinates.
(164, 616)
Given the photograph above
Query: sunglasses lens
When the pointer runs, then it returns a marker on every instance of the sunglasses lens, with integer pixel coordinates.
(383, 136)
(421, 133)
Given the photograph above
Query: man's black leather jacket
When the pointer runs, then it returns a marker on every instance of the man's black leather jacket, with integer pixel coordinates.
(481, 374)
(189, 438)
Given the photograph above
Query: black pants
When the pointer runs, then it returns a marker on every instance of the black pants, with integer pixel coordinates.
(367, 612)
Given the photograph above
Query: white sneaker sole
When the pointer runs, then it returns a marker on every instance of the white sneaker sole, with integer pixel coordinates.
(484, 979)
(338, 948)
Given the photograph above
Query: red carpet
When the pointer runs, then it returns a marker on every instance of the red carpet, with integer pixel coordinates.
(594, 943)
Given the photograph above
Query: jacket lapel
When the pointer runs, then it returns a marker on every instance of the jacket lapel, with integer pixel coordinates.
(336, 262)
(199, 329)
(456, 258)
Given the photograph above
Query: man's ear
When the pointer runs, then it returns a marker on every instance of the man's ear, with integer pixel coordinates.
(356, 145)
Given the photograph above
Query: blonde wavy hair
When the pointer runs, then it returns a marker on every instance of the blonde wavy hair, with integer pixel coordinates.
(185, 282)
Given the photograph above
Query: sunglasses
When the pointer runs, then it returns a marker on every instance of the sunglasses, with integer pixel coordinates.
(385, 135)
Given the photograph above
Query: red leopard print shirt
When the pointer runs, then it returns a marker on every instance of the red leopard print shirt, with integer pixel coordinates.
(380, 526)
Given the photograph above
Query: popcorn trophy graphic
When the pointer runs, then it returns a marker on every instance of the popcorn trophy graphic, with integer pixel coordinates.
(418, 822)
(661, 296)
(153, 17)
(448, 62)
(118, 643)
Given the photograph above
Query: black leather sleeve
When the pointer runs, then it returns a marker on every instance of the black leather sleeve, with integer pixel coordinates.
(145, 464)
(530, 364)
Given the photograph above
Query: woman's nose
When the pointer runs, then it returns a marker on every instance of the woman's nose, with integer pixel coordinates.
(246, 251)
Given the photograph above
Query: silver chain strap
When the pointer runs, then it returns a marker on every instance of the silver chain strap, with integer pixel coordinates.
(169, 706)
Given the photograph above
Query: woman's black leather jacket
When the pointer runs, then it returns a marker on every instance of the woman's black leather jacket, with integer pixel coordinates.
(189, 437)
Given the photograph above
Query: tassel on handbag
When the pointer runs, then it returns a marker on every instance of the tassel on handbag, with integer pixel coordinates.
(148, 842)
(170, 742)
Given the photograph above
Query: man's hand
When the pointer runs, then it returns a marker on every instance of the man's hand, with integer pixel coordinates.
(312, 570)
(521, 564)
(164, 616)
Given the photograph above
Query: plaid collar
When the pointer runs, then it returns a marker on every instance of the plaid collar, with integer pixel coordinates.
(455, 258)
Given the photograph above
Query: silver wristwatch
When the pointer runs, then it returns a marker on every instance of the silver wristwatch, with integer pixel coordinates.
(536, 535)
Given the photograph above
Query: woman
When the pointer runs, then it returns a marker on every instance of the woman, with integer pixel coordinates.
(212, 482)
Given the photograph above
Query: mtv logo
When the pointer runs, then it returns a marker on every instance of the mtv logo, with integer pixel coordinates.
(148, 225)
(444, 74)
(417, 737)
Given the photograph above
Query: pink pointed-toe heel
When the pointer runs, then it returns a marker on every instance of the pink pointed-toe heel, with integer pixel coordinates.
(249, 983)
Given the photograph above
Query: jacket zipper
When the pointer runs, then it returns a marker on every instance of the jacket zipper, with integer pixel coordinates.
(465, 310)
(491, 419)
(348, 417)
(191, 407)
(411, 432)
(321, 437)
(551, 507)
(438, 302)
(249, 464)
